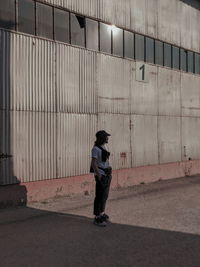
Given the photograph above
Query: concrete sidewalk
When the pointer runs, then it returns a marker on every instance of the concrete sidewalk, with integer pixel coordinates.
(152, 225)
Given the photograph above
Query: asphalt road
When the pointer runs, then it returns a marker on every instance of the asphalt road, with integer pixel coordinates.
(152, 225)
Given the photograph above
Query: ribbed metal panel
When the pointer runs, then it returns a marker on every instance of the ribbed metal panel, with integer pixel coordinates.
(113, 84)
(27, 73)
(86, 7)
(5, 79)
(33, 144)
(6, 171)
(76, 136)
(115, 12)
(118, 125)
(76, 79)
(144, 139)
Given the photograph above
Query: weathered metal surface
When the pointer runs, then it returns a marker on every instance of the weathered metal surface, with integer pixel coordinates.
(118, 125)
(144, 96)
(28, 73)
(190, 138)
(115, 12)
(138, 15)
(75, 80)
(169, 139)
(190, 95)
(169, 91)
(76, 136)
(144, 140)
(169, 21)
(113, 78)
(30, 137)
(86, 7)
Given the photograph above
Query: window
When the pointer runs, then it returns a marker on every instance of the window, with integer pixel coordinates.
(190, 61)
(158, 52)
(149, 49)
(139, 47)
(7, 14)
(61, 25)
(167, 55)
(77, 30)
(26, 16)
(197, 63)
(105, 38)
(183, 58)
(128, 44)
(44, 20)
(117, 35)
(175, 57)
(92, 38)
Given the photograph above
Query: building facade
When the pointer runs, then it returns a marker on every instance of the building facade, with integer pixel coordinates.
(71, 67)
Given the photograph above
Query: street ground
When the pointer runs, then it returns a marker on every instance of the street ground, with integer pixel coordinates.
(152, 225)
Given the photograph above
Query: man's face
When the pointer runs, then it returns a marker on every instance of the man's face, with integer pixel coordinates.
(106, 139)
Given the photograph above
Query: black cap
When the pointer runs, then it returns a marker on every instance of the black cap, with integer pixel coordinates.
(102, 133)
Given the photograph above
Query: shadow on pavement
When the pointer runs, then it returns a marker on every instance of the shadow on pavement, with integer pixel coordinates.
(32, 237)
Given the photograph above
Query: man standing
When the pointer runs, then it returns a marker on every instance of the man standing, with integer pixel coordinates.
(102, 171)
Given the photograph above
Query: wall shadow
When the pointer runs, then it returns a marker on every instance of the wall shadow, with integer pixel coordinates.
(11, 193)
(38, 238)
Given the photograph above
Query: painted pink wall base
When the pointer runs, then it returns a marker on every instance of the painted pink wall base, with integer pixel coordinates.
(42, 190)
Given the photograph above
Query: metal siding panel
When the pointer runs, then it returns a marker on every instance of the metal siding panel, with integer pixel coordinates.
(138, 15)
(75, 79)
(5, 80)
(169, 29)
(34, 145)
(113, 84)
(67, 78)
(86, 7)
(169, 136)
(190, 138)
(88, 83)
(152, 18)
(76, 135)
(118, 125)
(32, 85)
(144, 138)
(169, 90)
(6, 170)
(115, 12)
(144, 96)
(190, 95)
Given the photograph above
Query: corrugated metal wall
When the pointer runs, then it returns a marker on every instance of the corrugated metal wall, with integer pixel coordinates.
(54, 97)
(144, 16)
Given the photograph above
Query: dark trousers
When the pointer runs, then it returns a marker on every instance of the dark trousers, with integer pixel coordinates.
(101, 195)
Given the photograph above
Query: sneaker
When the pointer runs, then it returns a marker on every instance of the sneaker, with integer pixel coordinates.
(105, 218)
(99, 221)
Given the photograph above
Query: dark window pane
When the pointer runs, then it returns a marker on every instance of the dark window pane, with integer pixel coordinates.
(117, 41)
(128, 44)
(175, 57)
(44, 20)
(190, 61)
(77, 30)
(183, 59)
(61, 25)
(167, 55)
(158, 52)
(197, 63)
(149, 46)
(92, 38)
(7, 14)
(139, 47)
(26, 16)
(105, 38)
